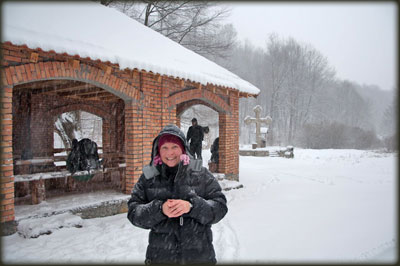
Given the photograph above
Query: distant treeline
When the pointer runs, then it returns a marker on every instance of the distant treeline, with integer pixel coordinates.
(309, 105)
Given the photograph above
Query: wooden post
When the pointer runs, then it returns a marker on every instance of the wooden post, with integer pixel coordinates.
(38, 191)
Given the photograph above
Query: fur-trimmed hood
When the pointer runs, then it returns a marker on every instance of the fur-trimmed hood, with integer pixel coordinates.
(172, 130)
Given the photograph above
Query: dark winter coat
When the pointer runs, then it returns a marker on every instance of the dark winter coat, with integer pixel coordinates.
(215, 151)
(186, 239)
(195, 134)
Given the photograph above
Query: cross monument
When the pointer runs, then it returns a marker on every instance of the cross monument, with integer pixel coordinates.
(258, 121)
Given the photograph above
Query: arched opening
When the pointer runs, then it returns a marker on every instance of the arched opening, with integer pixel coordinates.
(77, 125)
(208, 119)
(40, 145)
(227, 109)
(68, 126)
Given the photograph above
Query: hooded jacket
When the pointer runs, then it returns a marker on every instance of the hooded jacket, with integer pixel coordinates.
(188, 238)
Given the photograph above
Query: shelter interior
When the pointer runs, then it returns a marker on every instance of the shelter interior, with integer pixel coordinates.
(36, 106)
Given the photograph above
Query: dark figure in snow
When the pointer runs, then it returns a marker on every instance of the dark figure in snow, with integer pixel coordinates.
(178, 200)
(195, 135)
(215, 151)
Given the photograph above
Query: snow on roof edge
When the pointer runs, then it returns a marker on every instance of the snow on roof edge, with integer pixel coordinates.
(125, 51)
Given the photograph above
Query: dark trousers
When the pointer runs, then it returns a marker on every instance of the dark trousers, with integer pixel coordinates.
(195, 149)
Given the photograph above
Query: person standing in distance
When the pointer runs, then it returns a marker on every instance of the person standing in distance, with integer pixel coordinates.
(178, 200)
(195, 135)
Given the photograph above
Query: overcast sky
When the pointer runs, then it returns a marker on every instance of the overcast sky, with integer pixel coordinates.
(358, 39)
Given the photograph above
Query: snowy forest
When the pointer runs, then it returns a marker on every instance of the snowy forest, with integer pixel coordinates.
(310, 106)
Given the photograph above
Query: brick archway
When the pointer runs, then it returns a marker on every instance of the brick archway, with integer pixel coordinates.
(187, 98)
(108, 132)
(80, 106)
(13, 76)
(30, 74)
(227, 107)
(16, 77)
(182, 107)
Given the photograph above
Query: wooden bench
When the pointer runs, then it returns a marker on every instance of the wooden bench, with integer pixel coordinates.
(37, 180)
(37, 184)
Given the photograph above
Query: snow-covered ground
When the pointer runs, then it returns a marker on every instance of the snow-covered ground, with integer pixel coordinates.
(326, 206)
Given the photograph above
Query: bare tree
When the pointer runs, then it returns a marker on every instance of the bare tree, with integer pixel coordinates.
(318, 75)
(196, 25)
(276, 73)
(105, 2)
(66, 125)
(388, 123)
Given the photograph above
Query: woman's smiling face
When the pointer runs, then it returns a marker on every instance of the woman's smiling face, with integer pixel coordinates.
(170, 154)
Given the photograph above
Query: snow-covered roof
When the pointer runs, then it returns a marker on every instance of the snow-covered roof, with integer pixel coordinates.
(89, 29)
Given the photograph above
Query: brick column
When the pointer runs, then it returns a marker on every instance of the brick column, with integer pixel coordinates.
(133, 144)
(8, 224)
(229, 141)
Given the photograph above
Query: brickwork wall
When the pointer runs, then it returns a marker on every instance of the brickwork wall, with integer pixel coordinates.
(151, 101)
(21, 124)
(133, 144)
(6, 163)
(152, 112)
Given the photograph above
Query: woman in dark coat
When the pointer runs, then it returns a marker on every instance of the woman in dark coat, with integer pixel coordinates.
(178, 200)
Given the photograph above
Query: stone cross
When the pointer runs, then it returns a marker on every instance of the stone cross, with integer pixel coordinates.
(258, 120)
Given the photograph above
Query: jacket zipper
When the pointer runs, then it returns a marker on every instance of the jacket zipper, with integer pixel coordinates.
(175, 179)
(176, 192)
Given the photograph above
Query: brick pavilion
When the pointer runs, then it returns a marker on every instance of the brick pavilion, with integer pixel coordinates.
(45, 74)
